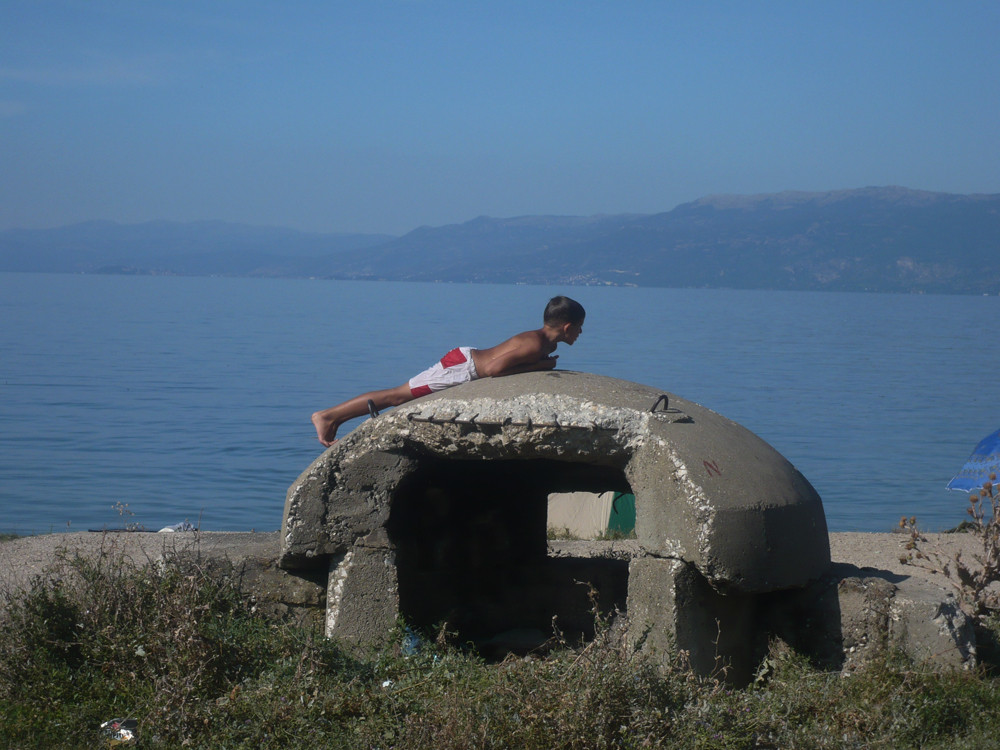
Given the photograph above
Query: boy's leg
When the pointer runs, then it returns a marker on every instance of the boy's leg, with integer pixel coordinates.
(328, 420)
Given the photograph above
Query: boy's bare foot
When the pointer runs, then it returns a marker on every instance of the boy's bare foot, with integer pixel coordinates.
(326, 428)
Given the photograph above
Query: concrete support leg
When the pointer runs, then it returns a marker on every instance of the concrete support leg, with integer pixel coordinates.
(363, 592)
(672, 609)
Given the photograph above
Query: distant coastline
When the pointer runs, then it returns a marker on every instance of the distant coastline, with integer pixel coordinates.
(887, 239)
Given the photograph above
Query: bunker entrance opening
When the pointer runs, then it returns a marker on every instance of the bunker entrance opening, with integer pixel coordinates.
(472, 552)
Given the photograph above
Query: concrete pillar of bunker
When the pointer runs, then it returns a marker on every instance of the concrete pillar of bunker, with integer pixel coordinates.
(673, 611)
(363, 592)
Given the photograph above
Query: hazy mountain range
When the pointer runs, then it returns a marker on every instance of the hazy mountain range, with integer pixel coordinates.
(874, 239)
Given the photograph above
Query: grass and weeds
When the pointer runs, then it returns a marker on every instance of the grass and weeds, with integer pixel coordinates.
(197, 666)
(616, 535)
(563, 534)
(559, 534)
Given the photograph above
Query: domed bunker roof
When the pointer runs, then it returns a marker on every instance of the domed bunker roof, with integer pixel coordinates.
(708, 492)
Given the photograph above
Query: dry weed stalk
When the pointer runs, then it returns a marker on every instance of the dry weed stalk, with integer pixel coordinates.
(978, 582)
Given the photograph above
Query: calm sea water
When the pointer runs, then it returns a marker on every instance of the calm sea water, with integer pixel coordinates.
(189, 398)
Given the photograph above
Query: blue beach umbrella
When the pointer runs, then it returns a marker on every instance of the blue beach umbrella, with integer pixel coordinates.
(984, 460)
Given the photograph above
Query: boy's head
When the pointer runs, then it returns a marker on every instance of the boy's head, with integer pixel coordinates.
(566, 317)
(561, 310)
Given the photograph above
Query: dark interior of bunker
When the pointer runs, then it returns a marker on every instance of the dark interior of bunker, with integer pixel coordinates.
(472, 554)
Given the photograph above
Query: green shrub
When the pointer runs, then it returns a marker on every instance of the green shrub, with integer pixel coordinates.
(100, 638)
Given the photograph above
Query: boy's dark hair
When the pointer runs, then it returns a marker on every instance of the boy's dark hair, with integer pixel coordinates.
(564, 310)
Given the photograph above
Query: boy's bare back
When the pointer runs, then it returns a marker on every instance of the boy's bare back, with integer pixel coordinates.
(525, 352)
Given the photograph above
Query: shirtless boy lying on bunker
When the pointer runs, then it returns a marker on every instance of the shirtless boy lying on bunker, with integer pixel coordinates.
(525, 352)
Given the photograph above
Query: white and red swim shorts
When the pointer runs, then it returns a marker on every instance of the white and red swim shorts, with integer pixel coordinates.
(455, 367)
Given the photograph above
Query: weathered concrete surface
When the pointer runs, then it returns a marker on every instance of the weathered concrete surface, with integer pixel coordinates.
(884, 602)
(916, 617)
(854, 613)
(365, 577)
(707, 490)
(672, 609)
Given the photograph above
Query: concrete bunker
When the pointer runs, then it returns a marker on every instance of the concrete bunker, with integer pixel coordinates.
(436, 511)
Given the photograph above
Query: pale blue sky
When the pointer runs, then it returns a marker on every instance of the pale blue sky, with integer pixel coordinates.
(383, 115)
